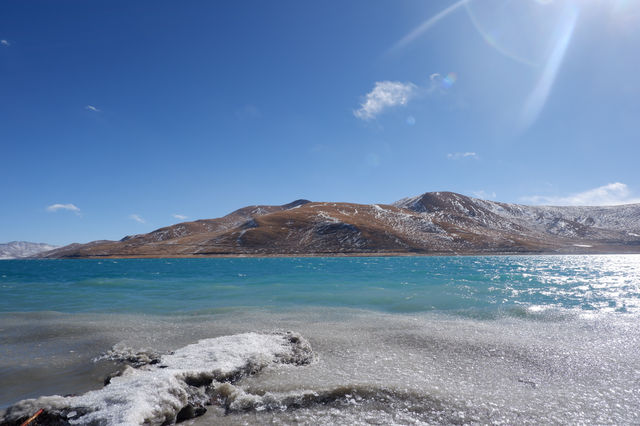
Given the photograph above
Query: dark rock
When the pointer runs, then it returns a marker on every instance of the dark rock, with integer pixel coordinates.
(189, 412)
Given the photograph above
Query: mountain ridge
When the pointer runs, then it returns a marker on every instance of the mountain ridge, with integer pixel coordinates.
(430, 223)
(22, 249)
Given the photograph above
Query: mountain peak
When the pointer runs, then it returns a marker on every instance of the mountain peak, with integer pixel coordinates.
(296, 203)
(431, 202)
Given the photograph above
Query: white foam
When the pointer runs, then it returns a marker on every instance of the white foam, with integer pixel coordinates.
(156, 393)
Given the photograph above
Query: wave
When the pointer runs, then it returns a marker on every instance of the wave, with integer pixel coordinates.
(382, 402)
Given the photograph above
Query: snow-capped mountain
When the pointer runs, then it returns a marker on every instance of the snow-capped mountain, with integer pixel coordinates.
(19, 249)
(431, 223)
(570, 221)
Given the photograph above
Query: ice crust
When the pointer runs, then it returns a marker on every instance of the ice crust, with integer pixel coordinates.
(157, 392)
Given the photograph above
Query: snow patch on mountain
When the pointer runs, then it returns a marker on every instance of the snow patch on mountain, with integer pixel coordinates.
(596, 223)
(22, 249)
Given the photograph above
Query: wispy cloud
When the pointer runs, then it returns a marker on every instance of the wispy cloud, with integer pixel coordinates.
(461, 155)
(422, 28)
(484, 195)
(5, 42)
(385, 94)
(180, 216)
(92, 108)
(607, 195)
(69, 207)
(137, 218)
(389, 94)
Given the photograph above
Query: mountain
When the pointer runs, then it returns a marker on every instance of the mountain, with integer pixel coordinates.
(18, 249)
(432, 223)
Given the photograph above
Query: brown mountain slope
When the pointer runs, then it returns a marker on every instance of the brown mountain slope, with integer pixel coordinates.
(433, 223)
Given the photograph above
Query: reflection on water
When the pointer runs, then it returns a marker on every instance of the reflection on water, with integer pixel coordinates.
(468, 285)
(369, 367)
(436, 340)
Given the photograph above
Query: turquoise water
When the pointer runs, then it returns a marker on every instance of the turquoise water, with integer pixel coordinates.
(404, 340)
(395, 284)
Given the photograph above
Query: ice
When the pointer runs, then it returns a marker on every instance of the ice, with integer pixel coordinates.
(158, 391)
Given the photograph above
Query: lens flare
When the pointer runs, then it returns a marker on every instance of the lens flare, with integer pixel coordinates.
(524, 31)
(538, 97)
(449, 80)
(422, 28)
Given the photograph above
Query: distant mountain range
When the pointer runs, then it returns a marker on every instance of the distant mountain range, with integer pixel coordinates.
(19, 249)
(432, 223)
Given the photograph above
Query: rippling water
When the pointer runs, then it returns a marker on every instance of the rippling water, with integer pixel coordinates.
(444, 340)
(393, 284)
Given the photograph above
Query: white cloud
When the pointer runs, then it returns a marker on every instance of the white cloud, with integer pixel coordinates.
(388, 94)
(180, 216)
(137, 218)
(385, 94)
(484, 195)
(607, 195)
(92, 108)
(70, 207)
(461, 155)
(5, 42)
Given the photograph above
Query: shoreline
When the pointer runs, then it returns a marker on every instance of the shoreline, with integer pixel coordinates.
(334, 255)
(439, 361)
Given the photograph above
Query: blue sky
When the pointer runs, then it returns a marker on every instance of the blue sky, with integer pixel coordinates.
(121, 117)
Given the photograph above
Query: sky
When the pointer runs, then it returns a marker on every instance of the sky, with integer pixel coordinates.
(121, 117)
